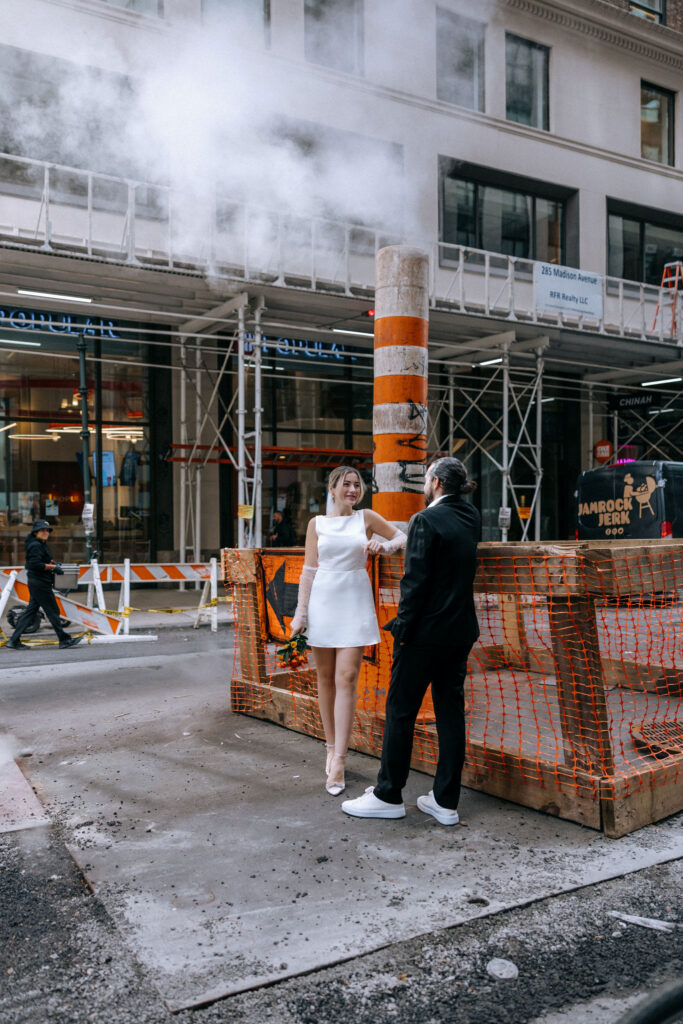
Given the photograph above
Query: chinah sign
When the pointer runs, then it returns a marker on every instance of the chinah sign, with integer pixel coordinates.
(567, 290)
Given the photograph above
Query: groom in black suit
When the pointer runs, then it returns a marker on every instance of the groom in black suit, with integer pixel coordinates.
(434, 630)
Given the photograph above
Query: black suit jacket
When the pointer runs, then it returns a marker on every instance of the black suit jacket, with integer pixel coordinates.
(437, 599)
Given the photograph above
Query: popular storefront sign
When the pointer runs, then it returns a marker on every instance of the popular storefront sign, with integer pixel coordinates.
(295, 347)
(22, 320)
(567, 290)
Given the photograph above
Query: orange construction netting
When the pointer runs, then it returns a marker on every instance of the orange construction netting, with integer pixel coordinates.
(574, 692)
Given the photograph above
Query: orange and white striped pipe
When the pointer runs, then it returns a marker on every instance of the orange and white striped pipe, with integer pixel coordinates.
(399, 421)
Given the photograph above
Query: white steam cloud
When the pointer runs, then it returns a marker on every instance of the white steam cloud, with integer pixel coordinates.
(212, 122)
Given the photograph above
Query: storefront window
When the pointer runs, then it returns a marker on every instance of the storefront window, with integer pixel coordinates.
(41, 448)
(317, 403)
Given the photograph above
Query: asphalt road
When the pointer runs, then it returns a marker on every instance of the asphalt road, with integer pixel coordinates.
(62, 959)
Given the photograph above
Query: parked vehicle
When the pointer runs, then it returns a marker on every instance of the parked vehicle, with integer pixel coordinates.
(630, 501)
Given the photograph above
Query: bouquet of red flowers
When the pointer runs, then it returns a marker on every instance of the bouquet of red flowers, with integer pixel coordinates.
(293, 654)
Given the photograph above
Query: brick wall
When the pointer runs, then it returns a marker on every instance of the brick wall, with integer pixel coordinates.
(674, 12)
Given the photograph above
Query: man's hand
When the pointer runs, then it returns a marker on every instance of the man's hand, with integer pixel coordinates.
(50, 566)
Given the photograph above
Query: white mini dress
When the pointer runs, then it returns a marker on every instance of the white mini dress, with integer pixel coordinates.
(341, 609)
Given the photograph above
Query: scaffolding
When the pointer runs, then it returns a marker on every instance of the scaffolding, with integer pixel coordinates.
(511, 434)
(219, 422)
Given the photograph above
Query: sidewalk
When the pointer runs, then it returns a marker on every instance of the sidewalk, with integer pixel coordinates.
(147, 602)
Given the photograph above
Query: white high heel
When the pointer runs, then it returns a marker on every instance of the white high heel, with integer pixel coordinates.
(336, 786)
(330, 755)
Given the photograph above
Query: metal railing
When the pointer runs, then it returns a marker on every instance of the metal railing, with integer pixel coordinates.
(57, 208)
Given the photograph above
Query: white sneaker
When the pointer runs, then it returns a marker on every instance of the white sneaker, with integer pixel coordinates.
(442, 814)
(370, 806)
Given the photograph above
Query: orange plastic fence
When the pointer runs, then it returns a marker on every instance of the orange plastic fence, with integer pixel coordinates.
(574, 690)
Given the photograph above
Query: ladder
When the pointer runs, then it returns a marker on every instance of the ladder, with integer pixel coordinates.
(672, 280)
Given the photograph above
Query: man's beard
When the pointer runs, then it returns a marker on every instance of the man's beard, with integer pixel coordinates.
(429, 496)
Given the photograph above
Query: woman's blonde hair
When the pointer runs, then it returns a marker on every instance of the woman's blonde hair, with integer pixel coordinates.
(339, 473)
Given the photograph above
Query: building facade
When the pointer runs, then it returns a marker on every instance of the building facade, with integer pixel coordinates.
(195, 191)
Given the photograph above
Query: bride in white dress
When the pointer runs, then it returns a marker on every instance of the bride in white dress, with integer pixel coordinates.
(336, 605)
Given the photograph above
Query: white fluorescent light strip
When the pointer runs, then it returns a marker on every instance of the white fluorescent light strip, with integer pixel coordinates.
(8, 426)
(15, 341)
(33, 437)
(356, 334)
(654, 383)
(52, 295)
(490, 362)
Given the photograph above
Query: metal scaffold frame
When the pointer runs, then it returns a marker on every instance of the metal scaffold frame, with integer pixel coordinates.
(521, 408)
(216, 424)
(644, 429)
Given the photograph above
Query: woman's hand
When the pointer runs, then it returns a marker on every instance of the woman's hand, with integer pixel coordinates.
(299, 622)
(374, 547)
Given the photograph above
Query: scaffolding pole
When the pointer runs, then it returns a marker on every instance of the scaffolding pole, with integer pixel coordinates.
(539, 444)
(591, 438)
(505, 469)
(258, 418)
(241, 434)
(184, 468)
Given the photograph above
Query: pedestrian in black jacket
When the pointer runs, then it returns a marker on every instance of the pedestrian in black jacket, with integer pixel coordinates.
(434, 630)
(40, 571)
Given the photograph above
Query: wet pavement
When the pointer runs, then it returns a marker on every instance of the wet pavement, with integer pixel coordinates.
(219, 863)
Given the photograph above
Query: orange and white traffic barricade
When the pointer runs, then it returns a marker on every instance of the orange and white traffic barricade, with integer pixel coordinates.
(129, 572)
(98, 620)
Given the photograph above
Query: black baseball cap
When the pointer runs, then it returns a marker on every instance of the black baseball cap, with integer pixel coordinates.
(41, 524)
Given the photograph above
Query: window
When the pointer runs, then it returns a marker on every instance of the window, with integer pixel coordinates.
(526, 82)
(502, 218)
(656, 124)
(639, 245)
(52, 109)
(155, 7)
(245, 15)
(459, 60)
(653, 10)
(333, 34)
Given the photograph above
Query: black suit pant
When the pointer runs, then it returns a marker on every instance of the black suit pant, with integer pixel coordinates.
(41, 596)
(412, 670)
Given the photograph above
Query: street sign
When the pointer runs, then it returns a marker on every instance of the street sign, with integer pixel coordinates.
(603, 451)
(567, 290)
(245, 511)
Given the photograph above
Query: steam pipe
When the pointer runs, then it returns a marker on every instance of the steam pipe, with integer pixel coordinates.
(399, 422)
